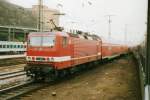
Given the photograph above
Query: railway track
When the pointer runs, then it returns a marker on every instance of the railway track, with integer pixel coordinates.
(11, 68)
(22, 88)
(19, 90)
(11, 61)
(5, 76)
(12, 78)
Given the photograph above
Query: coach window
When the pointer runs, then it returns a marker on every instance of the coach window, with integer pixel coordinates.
(4, 46)
(64, 42)
(0, 46)
(7, 46)
(11, 46)
(18, 46)
(15, 46)
(24, 46)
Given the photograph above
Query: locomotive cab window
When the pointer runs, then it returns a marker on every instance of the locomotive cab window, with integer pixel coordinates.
(46, 41)
(49, 41)
(64, 42)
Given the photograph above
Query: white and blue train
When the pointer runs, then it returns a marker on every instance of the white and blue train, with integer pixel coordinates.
(12, 47)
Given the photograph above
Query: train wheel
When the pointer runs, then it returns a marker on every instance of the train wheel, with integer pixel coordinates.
(68, 71)
(64, 73)
(84, 66)
(51, 77)
(37, 78)
(96, 63)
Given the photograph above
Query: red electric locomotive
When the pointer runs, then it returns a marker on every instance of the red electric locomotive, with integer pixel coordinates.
(48, 53)
(51, 53)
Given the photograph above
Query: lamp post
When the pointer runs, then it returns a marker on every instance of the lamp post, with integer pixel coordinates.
(9, 34)
(13, 37)
(125, 34)
(109, 25)
(40, 15)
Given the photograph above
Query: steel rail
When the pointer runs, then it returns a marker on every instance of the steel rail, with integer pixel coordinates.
(8, 73)
(19, 90)
(7, 76)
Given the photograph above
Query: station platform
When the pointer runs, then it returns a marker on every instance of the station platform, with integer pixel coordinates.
(147, 92)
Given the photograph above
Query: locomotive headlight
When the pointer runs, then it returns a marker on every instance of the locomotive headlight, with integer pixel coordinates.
(47, 59)
(33, 59)
(28, 58)
(51, 59)
(43, 59)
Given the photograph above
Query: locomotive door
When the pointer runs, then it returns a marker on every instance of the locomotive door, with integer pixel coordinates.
(72, 50)
(99, 49)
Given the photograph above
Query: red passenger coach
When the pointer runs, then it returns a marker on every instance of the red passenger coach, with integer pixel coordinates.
(48, 53)
(110, 50)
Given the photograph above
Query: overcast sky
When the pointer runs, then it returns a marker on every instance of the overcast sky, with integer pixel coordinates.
(90, 15)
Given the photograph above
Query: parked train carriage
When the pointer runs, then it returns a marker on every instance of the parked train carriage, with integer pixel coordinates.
(118, 49)
(12, 47)
(106, 50)
(109, 50)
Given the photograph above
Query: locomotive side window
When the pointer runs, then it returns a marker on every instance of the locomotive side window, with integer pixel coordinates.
(64, 41)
